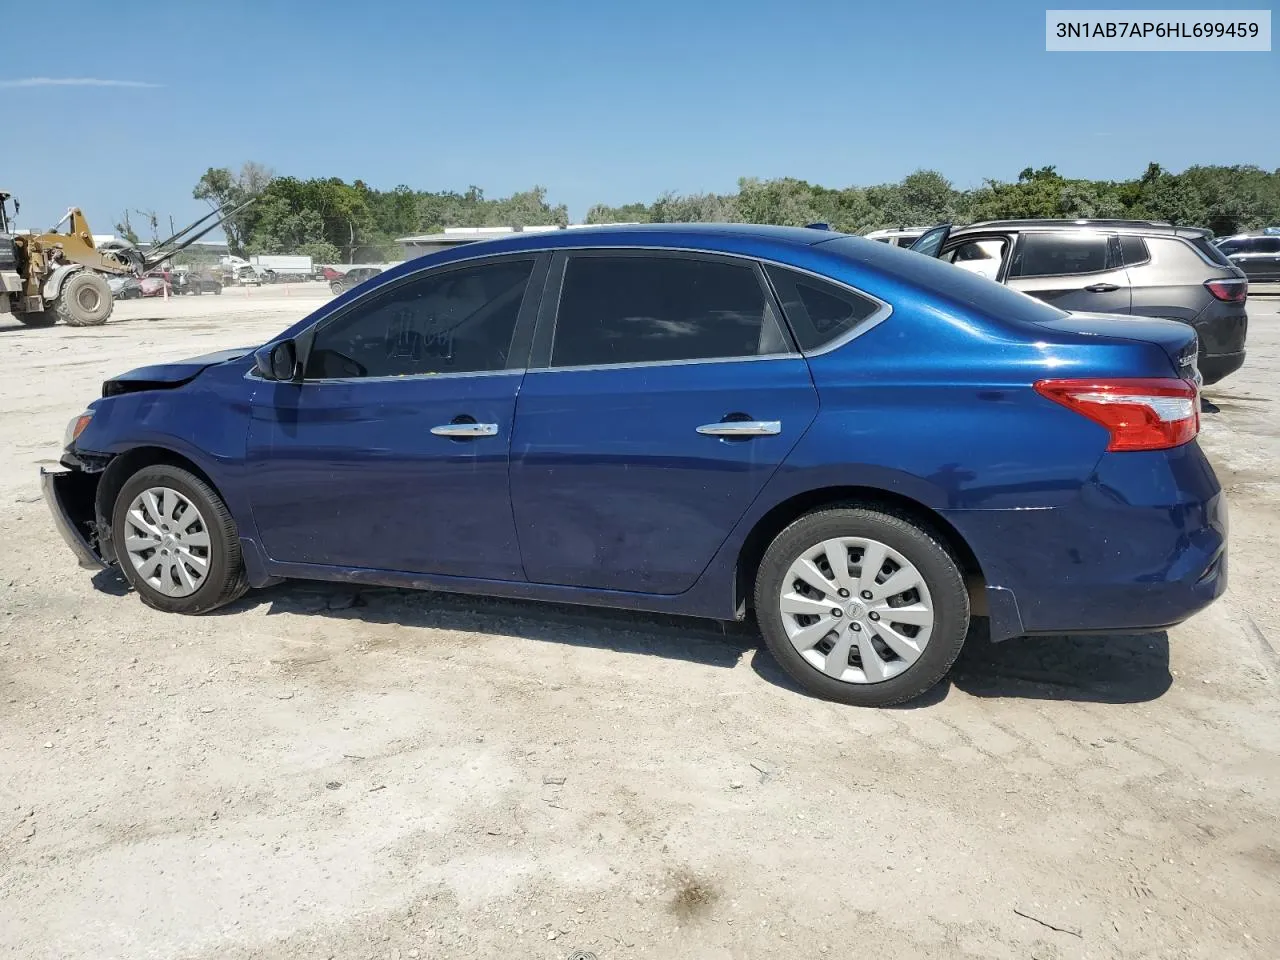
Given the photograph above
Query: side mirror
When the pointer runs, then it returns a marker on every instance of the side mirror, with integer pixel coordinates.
(277, 361)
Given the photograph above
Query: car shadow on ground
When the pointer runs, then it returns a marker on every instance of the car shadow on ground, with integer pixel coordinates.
(1111, 668)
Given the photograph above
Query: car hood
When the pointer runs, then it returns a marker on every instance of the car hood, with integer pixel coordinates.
(1178, 339)
(163, 376)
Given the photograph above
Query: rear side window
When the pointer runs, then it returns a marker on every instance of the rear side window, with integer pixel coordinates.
(1267, 245)
(1059, 254)
(1133, 251)
(1215, 253)
(820, 312)
(655, 309)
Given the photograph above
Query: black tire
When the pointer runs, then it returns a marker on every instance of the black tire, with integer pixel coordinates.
(84, 300)
(335, 287)
(226, 579)
(217, 291)
(46, 318)
(917, 545)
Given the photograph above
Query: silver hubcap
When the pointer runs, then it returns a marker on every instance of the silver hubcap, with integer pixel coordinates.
(856, 609)
(167, 541)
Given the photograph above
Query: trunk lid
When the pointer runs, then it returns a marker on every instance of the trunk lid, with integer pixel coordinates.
(1177, 339)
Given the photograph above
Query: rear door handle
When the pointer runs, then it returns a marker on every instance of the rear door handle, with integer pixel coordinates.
(466, 430)
(1102, 287)
(742, 428)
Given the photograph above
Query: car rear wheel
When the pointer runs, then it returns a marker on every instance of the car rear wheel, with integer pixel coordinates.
(861, 606)
(176, 541)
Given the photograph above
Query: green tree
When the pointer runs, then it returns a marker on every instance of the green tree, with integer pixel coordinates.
(220, 187)
(627, 213)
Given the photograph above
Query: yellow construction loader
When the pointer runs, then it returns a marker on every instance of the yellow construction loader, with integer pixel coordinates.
(47, 277)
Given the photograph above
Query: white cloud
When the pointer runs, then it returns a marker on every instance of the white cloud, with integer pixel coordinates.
(74, 82)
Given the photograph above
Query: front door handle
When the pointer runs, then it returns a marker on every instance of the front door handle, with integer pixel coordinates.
(742, 428)
(1102, 288)
(466, 430)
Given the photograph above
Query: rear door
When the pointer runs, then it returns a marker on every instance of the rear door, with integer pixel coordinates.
(1072, 270)
(663, 394)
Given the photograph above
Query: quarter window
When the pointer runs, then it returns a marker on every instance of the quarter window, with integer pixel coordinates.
(1058, 254)
(1133, 251)
(819, 312)
(653, 309)
(460, 321)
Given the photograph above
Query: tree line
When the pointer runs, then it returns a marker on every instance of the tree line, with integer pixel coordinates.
(335, 221)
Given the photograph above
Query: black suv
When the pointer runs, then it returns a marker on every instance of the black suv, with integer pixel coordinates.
(1258, 257)
(1112, 266)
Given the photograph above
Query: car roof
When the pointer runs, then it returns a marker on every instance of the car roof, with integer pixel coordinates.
(1148, 227)
(698, 235)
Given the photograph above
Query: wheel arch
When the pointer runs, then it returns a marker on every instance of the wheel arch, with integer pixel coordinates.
(120, 469)
(53, 286)
(777, 519)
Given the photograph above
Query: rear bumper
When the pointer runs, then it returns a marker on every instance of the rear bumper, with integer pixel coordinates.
(1217, 366)
(1222, 330)
(64, 492)
(1142, 547)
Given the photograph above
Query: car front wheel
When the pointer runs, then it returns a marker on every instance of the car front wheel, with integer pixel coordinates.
(176, 541)
(861, 606)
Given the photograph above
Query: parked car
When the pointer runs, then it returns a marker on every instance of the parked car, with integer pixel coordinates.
(124, 288)
(1258, 257)
(1113, 266)
(898, 236)
(863, 445)
(206, 283)
(154, 285)
(248, 277)
(188, 282)
(352, 277)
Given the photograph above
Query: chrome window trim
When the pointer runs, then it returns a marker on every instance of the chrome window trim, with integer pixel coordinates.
(881, 314)
(250, 375)
(874, 320)
(664, 363)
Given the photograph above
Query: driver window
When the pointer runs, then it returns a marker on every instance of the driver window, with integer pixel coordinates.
(460, 321)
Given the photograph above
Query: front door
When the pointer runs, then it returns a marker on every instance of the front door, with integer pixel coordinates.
(1076, 270)
(669, 397)
(392, 453)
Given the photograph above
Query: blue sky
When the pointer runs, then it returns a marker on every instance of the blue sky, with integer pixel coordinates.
(596, 101)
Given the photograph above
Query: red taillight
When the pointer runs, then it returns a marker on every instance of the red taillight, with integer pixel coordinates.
(1140, 414)
(1230, 291)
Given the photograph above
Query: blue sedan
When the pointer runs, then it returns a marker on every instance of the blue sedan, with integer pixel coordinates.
(863, 446)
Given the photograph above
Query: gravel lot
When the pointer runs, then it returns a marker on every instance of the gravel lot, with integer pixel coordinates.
(319, 773)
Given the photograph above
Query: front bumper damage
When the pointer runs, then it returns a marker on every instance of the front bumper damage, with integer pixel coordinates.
(71, 496)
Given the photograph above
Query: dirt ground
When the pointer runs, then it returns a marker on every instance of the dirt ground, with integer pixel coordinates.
(318, 773)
